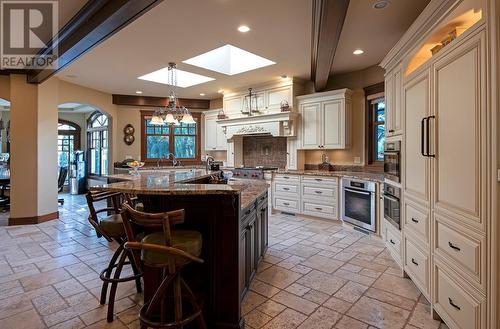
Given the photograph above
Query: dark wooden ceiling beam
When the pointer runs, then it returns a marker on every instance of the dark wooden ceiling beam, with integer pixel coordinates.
(95, 22)
(151, 101)
(328, 20)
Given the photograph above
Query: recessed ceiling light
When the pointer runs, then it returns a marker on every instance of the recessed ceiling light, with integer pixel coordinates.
(71, 76)
(184, 79)
(202, 94)
(358, 52)
(220, 91)
(138, 92)
(229, 60)
(381, 4)
(243, 28)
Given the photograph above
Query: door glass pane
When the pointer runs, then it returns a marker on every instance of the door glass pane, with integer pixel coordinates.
(104, 161)
(185, 147)
(157, 147)
(379, 142)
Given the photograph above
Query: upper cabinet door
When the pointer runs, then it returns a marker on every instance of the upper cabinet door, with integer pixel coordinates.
(416, 166)
(220, 137)
(393, 102)
(311, 125)
(210, 133)
(461, 132)
(233, 104)
(396, 112)
(332, 124)
(275, 96)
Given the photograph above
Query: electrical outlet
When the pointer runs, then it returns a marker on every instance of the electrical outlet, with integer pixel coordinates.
(357, 160)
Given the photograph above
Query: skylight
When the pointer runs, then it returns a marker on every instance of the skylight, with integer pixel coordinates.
(184, 79)
(229, 60)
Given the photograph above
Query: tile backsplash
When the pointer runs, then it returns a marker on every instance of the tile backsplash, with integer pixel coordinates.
(264, 151)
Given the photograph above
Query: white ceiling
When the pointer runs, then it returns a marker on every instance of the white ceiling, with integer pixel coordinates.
(177, 30)
(375, 31)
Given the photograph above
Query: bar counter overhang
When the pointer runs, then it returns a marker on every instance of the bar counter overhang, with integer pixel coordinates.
(225, 214)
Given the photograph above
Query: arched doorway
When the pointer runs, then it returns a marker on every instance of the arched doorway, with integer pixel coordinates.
(68, 141)
(98, 143)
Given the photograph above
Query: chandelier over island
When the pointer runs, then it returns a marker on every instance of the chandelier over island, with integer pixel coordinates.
(172, 114)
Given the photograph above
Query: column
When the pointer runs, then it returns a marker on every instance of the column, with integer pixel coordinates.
(33, 151)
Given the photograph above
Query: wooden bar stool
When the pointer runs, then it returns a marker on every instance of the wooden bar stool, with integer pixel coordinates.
(169, 250)
(111, 227)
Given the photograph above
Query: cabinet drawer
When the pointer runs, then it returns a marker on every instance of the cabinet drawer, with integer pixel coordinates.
(461, 250)
(315, 209)
(417, 265)
(287, 178)
(320, 180)
(287, 188)
(417, 220)
(286, 205)
(393, 242)
(457, 307)
(319, 192)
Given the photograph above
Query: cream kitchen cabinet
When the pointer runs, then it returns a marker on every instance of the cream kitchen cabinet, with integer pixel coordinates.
(215, 139)
(325, 120)
(393, 102)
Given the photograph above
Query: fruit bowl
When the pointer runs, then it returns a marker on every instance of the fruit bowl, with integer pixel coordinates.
(135, 165)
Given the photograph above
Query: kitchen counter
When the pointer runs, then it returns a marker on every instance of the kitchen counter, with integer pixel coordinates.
(376, 177)
(178, 182)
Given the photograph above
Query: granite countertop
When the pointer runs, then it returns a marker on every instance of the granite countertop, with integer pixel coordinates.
(377, 177)
(158, 182)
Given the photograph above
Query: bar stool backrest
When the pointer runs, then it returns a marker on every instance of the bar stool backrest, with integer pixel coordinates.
(96, 196)
(134, 220)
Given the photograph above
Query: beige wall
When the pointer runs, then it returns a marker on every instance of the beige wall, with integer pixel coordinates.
(5, 87)
(216, 103)
(128, 115)
(355, 81)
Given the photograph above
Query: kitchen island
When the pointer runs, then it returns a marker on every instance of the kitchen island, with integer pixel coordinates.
(232, 219)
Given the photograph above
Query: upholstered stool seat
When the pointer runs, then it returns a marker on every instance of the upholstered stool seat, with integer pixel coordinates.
(113, 225)
(188, 241)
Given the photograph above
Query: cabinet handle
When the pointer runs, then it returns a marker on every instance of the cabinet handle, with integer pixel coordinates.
(318, 192)
(318, 208)
(286, 177)
(391, 130)
(452, 246)
(286, 203)
(414, 262)
(286, 188)
(453, 304)
(318, 179)
(422, 136)
(428, 136)
(392, 241)
(414, 220)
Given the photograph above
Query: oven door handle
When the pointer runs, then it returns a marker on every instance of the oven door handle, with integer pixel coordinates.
(387, 196)
(356, 191)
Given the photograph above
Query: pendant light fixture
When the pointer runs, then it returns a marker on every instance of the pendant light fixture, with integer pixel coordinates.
(172, 114)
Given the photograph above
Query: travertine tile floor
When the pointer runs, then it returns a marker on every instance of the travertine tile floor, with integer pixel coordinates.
(316, 274)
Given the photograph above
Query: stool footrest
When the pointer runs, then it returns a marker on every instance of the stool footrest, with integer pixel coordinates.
(124, 279)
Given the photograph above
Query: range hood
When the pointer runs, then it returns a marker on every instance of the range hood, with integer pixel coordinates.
(282, 124)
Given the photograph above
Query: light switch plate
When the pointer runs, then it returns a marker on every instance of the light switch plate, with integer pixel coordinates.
(498, 175)
(357, 160)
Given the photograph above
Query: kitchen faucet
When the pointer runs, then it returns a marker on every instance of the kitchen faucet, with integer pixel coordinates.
(210, 159)
(167, 157)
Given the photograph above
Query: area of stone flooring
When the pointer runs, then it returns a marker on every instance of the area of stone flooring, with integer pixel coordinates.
(316, 274)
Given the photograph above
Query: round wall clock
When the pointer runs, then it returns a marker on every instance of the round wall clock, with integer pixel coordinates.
(129, 139)
(129, 129)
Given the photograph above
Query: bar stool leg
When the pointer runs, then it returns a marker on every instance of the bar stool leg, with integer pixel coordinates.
(104, 289)
(177, 297)
(131, 258)
(194, 304)
(114, 285)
